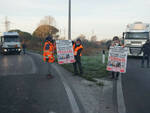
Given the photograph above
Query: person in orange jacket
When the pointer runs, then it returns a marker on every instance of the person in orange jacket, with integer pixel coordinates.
(48, 53)
(77, 47)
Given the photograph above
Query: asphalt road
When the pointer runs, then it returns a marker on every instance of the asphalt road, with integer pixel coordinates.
(24, 87)
(136, 87)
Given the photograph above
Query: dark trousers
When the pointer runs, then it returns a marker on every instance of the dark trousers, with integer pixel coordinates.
(48, 67)
(77, 64)
(115, 73)
(145, 56)
(24, 50)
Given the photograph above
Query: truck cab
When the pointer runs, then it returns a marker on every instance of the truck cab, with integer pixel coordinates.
(135, 36)
(10, 43)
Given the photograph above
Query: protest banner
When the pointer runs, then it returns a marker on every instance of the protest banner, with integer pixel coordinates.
(117, 59)
(65, 51)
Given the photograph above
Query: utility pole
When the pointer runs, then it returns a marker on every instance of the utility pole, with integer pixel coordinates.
(69, 21)
(7, 24)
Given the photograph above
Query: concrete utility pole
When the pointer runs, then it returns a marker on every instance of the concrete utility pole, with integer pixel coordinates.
(7, 24)
(69, 21)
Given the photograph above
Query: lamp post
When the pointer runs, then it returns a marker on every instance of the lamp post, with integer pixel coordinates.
(69, 21)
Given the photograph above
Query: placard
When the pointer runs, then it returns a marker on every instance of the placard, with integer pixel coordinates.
(65, 51)
(117, 59)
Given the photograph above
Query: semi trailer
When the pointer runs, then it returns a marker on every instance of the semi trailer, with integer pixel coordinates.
(135, 36)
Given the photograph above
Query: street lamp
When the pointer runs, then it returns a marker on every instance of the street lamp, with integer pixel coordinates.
(69, 21)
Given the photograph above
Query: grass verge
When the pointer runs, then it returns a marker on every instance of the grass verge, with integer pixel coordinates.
(92, 67)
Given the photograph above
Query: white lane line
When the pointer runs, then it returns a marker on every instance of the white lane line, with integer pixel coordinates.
(72, 100)
(120, 97)
(74, 105)
(34, 69)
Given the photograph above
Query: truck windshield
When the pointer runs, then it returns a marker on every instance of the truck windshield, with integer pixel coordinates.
(11, 39)
(137, 35)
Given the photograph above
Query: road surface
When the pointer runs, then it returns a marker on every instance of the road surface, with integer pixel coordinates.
(24, 87)
(136, 87)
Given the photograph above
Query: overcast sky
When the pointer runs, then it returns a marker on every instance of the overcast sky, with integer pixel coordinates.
(104, 18)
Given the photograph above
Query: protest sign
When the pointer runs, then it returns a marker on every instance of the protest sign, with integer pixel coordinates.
(117, 59)
(65, 51)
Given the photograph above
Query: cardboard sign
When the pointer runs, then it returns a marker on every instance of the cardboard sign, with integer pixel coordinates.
(117, 59)
(65, 51)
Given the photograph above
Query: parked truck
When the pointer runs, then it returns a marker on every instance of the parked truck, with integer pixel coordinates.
(10, 43)
(135, 36)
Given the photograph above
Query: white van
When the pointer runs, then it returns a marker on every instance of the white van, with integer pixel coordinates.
(10, 43)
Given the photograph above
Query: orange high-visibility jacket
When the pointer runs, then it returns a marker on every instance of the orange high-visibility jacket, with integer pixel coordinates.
(76, 49)
(48, 52)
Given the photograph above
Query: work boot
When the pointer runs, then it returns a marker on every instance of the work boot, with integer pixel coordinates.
(49, 76)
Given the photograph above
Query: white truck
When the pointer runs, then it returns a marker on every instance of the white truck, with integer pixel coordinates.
(10, 43)
(135, 36)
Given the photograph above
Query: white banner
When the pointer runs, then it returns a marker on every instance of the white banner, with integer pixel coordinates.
(117, 59)
(65, 51)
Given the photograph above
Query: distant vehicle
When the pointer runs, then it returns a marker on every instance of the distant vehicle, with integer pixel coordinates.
(10, 43)
(135, 36)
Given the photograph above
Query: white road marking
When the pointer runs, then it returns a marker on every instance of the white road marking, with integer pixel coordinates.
(120, 97)
(72, 100)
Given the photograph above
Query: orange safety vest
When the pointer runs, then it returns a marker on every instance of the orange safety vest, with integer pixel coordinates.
(76, 49)
(48, 52)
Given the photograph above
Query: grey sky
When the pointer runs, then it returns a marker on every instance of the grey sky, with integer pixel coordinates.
(104, 18)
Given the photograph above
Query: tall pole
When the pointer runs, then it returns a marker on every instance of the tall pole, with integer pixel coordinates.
(69, 21)
(7, 23)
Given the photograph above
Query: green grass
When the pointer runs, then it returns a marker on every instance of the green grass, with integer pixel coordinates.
(92, 67)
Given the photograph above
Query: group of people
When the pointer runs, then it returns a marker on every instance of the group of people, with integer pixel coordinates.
(50, 47)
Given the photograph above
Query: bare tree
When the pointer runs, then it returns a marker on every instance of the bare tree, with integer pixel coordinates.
(48, 20)
(82, 37)
(94, 38)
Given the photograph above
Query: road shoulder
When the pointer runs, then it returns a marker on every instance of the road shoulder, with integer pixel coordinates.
(120, 96)
(90, 97)
(94, 98)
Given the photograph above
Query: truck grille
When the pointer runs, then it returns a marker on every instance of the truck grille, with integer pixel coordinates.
(11, 46)
(136, 42)
(135, 51)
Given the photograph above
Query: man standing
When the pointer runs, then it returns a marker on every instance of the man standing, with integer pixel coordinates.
(146, 53)
(48, 53)
(77, 47)
(24, 47)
